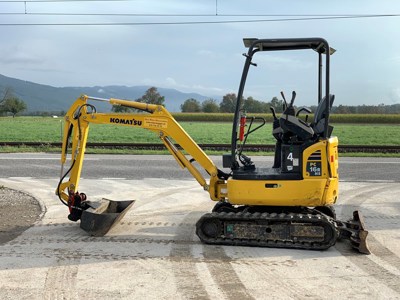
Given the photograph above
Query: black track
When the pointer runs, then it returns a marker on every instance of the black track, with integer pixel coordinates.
(312, 231)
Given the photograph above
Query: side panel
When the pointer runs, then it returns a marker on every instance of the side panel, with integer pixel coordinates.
(318, 187)
(277, 193)
(332, 192)
(333, 155)
(315, 161)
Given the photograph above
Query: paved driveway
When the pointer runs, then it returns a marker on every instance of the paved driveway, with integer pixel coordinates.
(154, 253)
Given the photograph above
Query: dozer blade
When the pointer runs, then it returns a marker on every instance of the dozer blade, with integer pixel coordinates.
(103, 215)
(360, 243)
(354, 230)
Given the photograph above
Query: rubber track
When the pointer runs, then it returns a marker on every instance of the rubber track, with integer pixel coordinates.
(274, 217)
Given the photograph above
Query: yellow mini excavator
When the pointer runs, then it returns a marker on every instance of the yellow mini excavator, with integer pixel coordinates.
(288, 205)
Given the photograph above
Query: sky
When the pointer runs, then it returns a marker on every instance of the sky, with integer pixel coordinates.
(197, 46)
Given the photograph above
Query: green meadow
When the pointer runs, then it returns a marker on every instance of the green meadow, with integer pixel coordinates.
(48, 130)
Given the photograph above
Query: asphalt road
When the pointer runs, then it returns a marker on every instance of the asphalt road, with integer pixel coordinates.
(153, 252)
(38, 165)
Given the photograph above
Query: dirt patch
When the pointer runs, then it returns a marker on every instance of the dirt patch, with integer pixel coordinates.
(18, 212)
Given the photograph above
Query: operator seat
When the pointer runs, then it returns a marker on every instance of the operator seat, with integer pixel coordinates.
(293, 126)
(290, 124)
(318, 124)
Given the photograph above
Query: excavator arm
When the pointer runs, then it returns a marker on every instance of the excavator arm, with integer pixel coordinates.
(156, 119)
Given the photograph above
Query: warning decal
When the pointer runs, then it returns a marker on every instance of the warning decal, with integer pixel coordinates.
(155, 123)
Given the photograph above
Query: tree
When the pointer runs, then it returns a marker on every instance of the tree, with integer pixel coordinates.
(191, 105)
(209, 106)
(277, 104)
(254, 106)
(152, 96)
(120, 109)
(342, 109)
(7, 93)
(13, 105)
(228, 103)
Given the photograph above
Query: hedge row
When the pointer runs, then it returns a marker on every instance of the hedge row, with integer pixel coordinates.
(335, 118)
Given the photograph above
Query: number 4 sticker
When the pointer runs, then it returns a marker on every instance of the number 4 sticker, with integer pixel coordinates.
(290, 156)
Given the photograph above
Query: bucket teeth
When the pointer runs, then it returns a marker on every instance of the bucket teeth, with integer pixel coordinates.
(103, 215)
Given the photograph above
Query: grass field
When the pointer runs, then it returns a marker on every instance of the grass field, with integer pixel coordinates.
(40, 129)
(335, 118)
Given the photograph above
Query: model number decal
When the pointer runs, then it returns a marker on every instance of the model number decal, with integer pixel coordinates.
(314, 168)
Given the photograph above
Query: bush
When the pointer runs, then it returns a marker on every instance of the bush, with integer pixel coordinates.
(334, 118)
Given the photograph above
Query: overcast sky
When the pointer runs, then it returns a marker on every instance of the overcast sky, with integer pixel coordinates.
(204, 57)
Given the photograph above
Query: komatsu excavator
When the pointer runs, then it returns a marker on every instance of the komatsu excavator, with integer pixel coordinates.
(288, 205)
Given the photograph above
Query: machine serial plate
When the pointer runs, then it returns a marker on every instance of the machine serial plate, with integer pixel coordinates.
(155, 123)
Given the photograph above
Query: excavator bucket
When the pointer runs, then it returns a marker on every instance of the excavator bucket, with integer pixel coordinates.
(103, 215)
(354, 231)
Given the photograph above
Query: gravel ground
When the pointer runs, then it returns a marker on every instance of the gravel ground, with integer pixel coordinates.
(18, 212)
(153, 252)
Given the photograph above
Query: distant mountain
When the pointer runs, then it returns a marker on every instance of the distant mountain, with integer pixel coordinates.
(46, 98)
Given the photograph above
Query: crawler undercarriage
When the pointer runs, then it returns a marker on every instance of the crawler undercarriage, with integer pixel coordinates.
(279, 227)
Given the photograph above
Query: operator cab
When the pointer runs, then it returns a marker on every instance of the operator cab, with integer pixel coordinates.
(292, 135)
(293, 132)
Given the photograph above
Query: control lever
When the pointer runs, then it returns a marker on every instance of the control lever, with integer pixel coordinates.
(276, 127)
(289, 110)
(293, 97)
(273, 113)
(306, 109)
(284, 99)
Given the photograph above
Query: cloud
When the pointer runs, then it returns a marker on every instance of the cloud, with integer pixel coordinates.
(278, 62)
(199, 58)
(395, 59)
(215, 90)
(170, 81)
(16, 55)
(198, 88)
(207, 53)
(395, 95)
